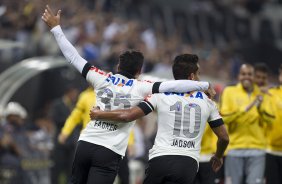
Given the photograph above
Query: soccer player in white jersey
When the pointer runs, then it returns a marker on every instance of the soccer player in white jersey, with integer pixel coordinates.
(182, 119)
(102, 144)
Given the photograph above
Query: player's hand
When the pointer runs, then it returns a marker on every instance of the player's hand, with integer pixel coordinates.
(50, 18)
(93, 112)
(256, 102)
(62, 138)
(210, 92)
(216, 163)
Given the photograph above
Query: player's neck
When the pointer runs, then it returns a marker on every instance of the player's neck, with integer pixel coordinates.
(126, 74)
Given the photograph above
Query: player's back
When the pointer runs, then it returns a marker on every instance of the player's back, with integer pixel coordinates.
(114, 92)
(182, 119)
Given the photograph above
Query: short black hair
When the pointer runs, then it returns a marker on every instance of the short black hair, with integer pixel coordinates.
(184, 65)
(280, 68)
(261, 67)
(131, 62)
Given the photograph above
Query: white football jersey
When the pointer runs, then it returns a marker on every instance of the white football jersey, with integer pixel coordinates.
(113, 92)
(182, 119)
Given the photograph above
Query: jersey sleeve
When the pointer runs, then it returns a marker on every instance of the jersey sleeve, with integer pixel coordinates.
(178, 86)
(183, 86)
(96, 77)
(75, 117)
(149, 104)
(68, 49)
(92, 74)
(214, 120)
(214, 113)
(146, 88)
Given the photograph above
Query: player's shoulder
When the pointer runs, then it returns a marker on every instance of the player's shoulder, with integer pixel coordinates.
(99, 71)
(118, 80)
(198, 94)
(202, 96)
(207, 98)
(140, 82)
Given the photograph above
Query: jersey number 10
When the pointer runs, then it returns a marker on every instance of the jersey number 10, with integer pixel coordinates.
(186, 122)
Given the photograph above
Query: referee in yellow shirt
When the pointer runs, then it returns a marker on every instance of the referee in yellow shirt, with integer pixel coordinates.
(273, 170)
(241, 110)
(80, 114)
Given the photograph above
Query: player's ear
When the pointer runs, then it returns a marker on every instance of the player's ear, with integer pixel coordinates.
(118, 68)
(137, 74)
(192, 76)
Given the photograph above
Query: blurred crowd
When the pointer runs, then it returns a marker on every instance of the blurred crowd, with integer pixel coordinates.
(102, 29)
(41, 151)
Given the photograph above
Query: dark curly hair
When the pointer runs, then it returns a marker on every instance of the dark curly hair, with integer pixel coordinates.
(262, 67)
(184, 65)
(131, 62)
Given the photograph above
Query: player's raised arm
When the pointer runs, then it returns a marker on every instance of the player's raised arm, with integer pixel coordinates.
(68, 50)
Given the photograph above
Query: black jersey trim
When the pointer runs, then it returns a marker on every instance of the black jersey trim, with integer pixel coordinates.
(156, 87)
(216, 123)
(146, 107)
(85, 69)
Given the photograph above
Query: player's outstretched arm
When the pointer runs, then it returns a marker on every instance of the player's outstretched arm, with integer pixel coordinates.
(125, 115)
(222, 143)
(178, 86)
(68, 50)
(182, 86)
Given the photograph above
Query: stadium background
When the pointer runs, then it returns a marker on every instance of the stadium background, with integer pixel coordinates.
(224, 33)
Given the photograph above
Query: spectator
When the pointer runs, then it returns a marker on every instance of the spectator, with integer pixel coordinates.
(273, 168)
(10, 165)
(42, 144)
(17, 138)
(62, 155)
(80, 114)
(261, 76)
(239, 108)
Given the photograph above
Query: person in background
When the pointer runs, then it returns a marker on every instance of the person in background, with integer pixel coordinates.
(261, 76)
(10, 164)
(16, 136)
(274, 137)
(243, 112)
(41, 141)
(62, 155)
(80, 116)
